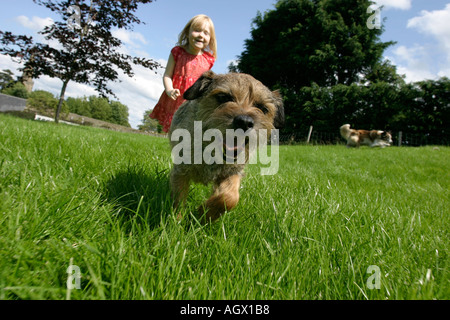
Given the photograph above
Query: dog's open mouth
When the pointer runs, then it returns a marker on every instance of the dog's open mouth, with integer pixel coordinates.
(232, 151)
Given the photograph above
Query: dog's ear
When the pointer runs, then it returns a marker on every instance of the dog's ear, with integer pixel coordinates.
(279, 118)
(385, 134)
(200, 86)
(373, 134)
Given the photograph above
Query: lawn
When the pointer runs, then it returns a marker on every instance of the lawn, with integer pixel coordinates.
(333, 223)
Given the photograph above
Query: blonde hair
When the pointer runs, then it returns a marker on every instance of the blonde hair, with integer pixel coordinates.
(198, 21)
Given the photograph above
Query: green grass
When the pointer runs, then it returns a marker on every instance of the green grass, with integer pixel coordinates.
(101, 200)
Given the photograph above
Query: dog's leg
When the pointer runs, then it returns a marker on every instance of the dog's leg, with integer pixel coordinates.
(225, 197)
(179, 186)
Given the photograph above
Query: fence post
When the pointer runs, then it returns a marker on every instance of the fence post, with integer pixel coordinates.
(400, 139)
(309, 134)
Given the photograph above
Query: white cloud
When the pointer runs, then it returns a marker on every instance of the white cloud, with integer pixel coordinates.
(414, 62)
(7, 63)
(129, 37)
(54, 86)
(233, 61)
(434, 23)
(394, 4)
(35, 23)
(428, 60)
(139, 93)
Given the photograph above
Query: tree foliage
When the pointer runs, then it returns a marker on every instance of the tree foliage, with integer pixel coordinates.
(328, 65)
(16, 89)
(86, 51)
(303, 42)
(6, 78)
(100, 108)
(119, 113)
(12, 87)
(425, 108)
(44, 101)
(303, 46)
(149, 124)
(421, 107)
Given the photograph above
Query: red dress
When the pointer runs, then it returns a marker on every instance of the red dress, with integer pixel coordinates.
(188, 68)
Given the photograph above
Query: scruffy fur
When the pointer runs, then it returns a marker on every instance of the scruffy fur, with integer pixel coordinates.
(372, 138)
(221, 101)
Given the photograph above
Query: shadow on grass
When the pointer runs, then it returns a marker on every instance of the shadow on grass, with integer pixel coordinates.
(140, 196)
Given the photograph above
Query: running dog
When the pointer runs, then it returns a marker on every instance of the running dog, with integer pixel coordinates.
(373, 138)
(220, 102)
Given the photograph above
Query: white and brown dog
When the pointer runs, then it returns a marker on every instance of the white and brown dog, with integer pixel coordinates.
(372, 138)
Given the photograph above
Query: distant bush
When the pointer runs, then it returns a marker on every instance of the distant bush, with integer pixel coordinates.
(16, 90)
(42, 101)
(100, 109)
(79, 106)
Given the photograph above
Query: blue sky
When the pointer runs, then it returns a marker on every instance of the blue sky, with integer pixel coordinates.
(421, 29)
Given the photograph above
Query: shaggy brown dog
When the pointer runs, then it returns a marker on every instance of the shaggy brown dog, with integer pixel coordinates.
(373, 138)
(219, 102)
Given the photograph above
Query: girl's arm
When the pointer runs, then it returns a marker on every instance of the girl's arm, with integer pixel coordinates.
(167, 79)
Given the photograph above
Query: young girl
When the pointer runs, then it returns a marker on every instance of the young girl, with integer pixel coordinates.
(195, 53)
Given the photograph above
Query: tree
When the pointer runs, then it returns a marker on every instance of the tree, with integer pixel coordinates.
(16, 89)
(425, 108)
(11, 87)
(303, 42)
(87, 52)
(100, 108)
(79, 106)
(307, 47)
(119, 113)
(149, 124)
(383, 71)
(6, 78)
(44, 101)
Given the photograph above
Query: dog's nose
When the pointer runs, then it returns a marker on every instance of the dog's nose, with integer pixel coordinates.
(243, 122)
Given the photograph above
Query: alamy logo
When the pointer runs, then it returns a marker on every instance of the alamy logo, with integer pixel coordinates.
(74, 278)
(374, 281)
(374, 21)
(74, 21)
(237, 147)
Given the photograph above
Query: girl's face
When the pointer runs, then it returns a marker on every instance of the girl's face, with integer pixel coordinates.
(199, 37)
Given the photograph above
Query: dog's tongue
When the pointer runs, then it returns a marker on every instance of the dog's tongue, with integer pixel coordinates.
(232, 151)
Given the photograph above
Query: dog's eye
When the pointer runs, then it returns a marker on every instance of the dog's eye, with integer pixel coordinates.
(262, 107)
(223, 98)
